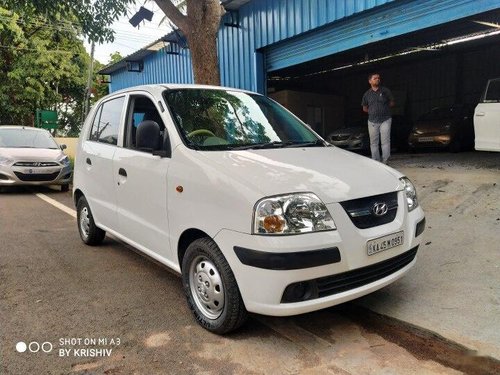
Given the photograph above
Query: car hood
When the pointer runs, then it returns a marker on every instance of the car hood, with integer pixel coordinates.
(432, 125)
(351, 130)
(331, 173)
(31, 154)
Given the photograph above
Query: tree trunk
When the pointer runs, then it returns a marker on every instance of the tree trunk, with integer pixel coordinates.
(204, 20)
(200, 27)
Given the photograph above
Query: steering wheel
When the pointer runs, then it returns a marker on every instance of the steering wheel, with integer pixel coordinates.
(201, 132)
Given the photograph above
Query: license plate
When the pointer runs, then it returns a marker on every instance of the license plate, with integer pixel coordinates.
(426, 139)
(35, 171)
(384, 243)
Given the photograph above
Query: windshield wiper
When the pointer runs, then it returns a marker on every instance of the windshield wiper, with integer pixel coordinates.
(317, 142)
(260, 146)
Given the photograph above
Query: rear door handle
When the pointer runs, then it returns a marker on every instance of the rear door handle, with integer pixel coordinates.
(88, 161)
(122, 172)
(480, 114)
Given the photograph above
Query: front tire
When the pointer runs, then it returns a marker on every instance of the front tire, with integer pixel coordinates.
(89, 232)
(210, 287)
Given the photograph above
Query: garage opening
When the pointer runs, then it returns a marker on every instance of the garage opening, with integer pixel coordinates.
(436, 67)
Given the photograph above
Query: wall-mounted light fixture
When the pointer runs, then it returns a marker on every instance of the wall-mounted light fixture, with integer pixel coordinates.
(135, 66)
(233, 19)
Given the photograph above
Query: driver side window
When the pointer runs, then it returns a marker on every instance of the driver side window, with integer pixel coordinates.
(141, 108)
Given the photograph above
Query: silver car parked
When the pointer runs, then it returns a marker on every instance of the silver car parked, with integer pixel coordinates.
(30, 156)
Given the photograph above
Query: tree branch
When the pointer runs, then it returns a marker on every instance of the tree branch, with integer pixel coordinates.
(174, 15)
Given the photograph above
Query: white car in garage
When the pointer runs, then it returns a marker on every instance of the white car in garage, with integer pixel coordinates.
(487, 118)
(236, 194)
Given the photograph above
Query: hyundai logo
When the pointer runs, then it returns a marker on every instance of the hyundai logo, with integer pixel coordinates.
(379, 209)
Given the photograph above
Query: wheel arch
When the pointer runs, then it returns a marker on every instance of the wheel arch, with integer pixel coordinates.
(186, 238)
(77, 195)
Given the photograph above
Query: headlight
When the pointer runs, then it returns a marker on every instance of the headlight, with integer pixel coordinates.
(291, 214)
(64, 161)
(5, 161)
(411, 193)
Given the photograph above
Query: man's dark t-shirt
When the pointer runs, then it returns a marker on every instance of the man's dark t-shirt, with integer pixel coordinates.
(378, 103)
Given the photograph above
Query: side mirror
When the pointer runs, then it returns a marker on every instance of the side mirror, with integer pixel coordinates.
(63, 147)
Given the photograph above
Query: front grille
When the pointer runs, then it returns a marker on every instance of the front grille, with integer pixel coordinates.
(330, 285)
(37, 176)
(353, 279)
(36, 164)
(361, 210)
(339, 137)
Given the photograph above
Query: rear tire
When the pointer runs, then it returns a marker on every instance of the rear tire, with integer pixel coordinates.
(89, 232)
(210, 287)
(455, 145)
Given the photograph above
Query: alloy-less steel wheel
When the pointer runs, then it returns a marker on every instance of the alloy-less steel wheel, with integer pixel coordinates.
(89, 232)
(211, 290)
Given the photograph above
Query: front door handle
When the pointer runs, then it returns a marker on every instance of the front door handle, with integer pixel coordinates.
(122, 172)
(479, 113)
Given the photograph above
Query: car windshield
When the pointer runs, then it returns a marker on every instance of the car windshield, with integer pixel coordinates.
(222, 119)
(26, 138)
(441, 114)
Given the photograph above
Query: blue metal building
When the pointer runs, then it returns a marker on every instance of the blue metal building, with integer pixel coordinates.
(328, 46)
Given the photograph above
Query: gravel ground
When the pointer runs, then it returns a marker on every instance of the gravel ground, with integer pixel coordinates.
(441, 160)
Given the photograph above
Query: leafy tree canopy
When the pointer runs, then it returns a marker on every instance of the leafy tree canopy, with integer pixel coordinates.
(42, 65)
(92, 17)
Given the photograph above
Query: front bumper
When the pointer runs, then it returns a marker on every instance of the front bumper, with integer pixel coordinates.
(436, 140)
(263, 288)
(54, 175)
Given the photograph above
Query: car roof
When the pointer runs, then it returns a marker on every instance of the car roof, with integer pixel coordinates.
(174, 86)
(21, 127)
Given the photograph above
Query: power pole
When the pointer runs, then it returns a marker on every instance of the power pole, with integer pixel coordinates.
(86, 103)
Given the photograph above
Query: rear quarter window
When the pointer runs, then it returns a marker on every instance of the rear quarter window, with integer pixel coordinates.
(106, 123)
(492, 94)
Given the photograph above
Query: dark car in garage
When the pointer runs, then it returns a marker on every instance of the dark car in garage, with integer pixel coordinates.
(447, 127)
(355, 137)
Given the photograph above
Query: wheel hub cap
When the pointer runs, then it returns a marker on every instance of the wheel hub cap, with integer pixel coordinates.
(85, 222)
(206, 287)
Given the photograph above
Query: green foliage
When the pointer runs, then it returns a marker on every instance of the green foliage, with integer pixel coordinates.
(42, 65)
(93, 17)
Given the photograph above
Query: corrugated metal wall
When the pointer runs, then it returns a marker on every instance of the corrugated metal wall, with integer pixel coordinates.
(264, 22)
(278, 27)
(159, 67)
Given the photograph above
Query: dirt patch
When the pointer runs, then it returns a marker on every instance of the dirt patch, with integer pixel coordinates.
(424, 345)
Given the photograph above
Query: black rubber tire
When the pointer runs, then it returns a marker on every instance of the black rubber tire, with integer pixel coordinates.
(234, 313)
(95, 235)
(65, 187)
(455, 145)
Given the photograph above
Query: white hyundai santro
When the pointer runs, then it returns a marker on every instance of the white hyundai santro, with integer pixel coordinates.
(253, 208)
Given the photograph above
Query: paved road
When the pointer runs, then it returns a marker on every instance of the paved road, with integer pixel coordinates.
(62, 295)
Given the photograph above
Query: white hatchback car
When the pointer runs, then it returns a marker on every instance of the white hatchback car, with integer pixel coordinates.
(30, 156)
(255, 210)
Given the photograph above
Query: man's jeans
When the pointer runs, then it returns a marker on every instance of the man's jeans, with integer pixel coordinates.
(380, 133)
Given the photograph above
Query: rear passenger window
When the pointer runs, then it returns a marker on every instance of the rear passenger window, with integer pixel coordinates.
(107, 122)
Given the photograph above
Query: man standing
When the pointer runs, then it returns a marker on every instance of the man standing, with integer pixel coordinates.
(377, 101)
